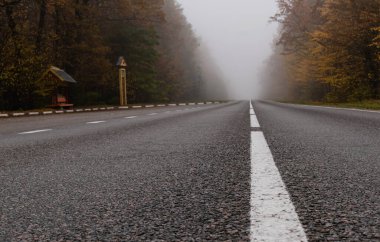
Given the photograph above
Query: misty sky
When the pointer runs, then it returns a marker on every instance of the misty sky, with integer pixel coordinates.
(238, 35)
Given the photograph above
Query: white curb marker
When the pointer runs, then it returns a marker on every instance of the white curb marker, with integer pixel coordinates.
(36, 131)
(273, 215)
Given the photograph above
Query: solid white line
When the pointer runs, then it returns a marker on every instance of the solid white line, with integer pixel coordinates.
(250, 104)
(336, 108)
(254, 122)
(252, 112)
(131, 117)
(96, 122)
(273, 216)
(152, 114)
(36, 131)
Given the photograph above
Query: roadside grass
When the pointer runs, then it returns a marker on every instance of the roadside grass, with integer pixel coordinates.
(367, 104)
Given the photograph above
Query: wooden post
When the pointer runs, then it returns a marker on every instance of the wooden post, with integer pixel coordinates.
(122, 65)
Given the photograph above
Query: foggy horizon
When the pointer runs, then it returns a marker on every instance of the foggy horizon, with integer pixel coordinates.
(239, 37)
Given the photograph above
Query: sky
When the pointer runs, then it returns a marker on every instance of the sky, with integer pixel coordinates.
(239, 37)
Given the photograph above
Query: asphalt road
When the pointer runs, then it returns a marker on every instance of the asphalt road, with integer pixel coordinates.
(329, 160)
(183, 173)
(163, 174)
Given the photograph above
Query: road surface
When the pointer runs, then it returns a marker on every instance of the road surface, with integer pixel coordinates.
(184, 173)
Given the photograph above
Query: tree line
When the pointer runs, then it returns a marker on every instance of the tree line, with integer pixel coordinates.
(85, 38)
(326, 50)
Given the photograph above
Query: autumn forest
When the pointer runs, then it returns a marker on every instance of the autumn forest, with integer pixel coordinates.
(85, 38)
(327, 50)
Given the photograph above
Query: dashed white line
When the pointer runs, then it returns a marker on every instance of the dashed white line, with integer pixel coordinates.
(273, 216)
(254, 122)
(36, 131)
(131, 117)
(152, 114)
(96, 122)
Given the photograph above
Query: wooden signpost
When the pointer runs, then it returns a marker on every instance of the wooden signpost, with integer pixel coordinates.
(122, 65)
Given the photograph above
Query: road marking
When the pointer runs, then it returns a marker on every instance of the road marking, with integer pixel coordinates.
(18, 114)
(273, 216)
(36, 131)
(252, 112)
(168, 111)
(149, 106)
(152, 114)
(254, 122)
(136, 106)
(47, 112)
(336, 108)
(33, 113)
(96, 122)
(131, 117)
(123, 107)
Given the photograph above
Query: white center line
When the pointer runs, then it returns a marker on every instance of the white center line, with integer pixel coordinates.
(36, 131)
(96, 122)
(131, 117)
(273, 216)
(254, 122)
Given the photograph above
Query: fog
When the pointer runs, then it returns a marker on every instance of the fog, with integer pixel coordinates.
(239, 37)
